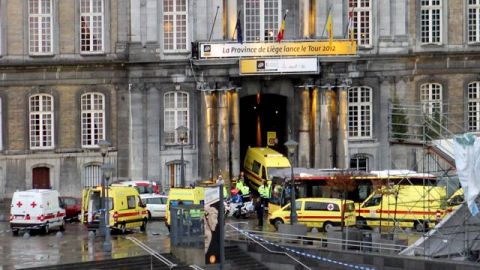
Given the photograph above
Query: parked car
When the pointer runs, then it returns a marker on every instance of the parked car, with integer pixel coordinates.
(156, 205)
(72, 206)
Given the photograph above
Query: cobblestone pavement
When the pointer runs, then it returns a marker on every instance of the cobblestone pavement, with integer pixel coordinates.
(74, 245)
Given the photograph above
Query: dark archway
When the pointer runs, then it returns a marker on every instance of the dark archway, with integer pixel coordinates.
(41, 178)
(260, 114)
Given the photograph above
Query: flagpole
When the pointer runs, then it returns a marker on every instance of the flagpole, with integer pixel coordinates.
(325, 25)
(213, 25)
(235, 31)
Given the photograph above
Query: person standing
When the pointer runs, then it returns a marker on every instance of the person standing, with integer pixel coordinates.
(264, 191)
(259, 210)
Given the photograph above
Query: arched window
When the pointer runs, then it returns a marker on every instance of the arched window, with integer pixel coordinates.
(41, 121)
(360, 112)
(431, 98)
(93, 119)
(262, 18)
(473, 108)
(176, 115)
(92, 176)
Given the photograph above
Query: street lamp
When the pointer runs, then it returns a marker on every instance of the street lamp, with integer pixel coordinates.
(182, 135)
(103, 146)
(291, 146)
(107, 174)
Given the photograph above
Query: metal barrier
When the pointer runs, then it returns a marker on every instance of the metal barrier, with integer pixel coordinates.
(234, 231)
(152, 252)
(262, 245)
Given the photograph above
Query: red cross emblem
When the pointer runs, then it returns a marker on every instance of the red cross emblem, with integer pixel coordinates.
(19, 204)
(33, 204)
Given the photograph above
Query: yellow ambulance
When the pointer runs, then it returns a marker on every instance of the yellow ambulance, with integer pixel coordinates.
(258, 161)
(126, 209)
(322, 213)
(407, 206)
(185, 196)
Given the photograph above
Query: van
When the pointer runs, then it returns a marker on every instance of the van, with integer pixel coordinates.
(322, 213)
(416, 207)
(187, 196)
(143, 186)
(36, 209)
(258, 161)
(126, 209)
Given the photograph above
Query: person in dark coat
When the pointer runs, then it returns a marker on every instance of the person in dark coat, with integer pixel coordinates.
(259, 210)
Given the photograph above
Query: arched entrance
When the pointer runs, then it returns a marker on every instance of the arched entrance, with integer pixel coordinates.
(260, 115)
(41, 178)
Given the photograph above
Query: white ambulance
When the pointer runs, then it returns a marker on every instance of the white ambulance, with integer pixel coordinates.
(36, 209)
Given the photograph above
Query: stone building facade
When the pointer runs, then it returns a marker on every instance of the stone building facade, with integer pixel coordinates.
(142, 62)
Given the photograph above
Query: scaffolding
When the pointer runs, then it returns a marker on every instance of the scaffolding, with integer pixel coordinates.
(426, 131)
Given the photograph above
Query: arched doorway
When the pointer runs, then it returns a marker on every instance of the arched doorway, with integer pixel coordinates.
(41, 178)
(259, 115)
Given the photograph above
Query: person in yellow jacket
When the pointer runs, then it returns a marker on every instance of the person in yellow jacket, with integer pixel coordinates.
(265, 193)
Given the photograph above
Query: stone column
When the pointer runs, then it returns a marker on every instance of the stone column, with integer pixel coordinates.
(205, 135)
(315, 126)
(342, 135)
(304, 130)
(152, 146)
(222, 134)
(231, 18)
(235, 133)
(137, 139)
(325, 128)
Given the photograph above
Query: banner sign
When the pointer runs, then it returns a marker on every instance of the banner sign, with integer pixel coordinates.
(298, 48)
(278, 65)
(211, 220)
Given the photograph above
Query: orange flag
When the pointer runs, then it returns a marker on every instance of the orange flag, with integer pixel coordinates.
(330, 28)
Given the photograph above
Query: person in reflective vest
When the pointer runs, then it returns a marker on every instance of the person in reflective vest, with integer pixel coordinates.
(265, 193)
(240, 182)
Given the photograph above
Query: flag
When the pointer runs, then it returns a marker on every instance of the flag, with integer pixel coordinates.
(238, 28)
(330, 28)
(281, 31)
(350, 32)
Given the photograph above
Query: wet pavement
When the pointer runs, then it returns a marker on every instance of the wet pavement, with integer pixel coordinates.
(74, 245)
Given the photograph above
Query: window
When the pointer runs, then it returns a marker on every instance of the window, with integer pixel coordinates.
(362, 21)
(175, 25)
(93, 119)
(359, 162)
(431, 21)
(176, 115)
(431, 98)
(360, 112)
(91, 26)
(256, 167)
(373, 201)
(173, 173)
(473, 106)
(40, 26)
(321, 206)
(131, 202)
(41, 122)
(92, 176)
(262, 19)
(473, 21)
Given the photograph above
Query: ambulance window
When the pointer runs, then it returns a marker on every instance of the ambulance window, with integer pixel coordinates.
(374, 201)
(110, 203)
(298, 205)
(264, 174)
(256, 167)
(131, 202)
